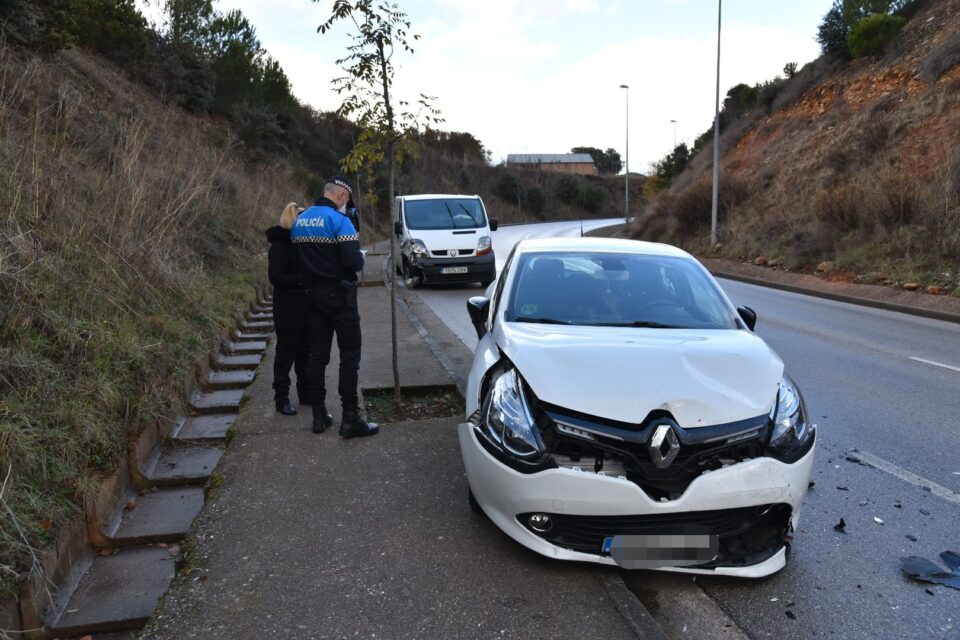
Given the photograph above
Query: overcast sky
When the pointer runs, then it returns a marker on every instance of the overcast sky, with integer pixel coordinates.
(542, 76)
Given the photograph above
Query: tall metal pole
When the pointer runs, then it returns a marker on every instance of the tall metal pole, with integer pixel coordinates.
(674, 134)
(716, 139)
(626, 173)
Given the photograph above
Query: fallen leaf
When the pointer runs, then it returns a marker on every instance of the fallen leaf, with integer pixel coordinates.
(864, 503)
(791, 614)
(898, 504)
(911, 538)
(924, 512)
(131, 505)
(840, 526)
(842, 488)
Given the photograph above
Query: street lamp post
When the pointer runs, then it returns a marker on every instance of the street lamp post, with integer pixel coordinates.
(716, 139)
(626, 172)
(674, 122)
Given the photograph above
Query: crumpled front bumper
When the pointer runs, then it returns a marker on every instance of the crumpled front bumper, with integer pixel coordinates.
(503, 493)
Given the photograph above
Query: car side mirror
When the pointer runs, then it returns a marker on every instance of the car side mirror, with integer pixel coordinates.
(398, 228)
(749, 316)
(479, 307)
(494, 225)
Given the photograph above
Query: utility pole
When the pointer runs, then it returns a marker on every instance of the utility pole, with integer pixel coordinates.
(626, 172)
(716, 140)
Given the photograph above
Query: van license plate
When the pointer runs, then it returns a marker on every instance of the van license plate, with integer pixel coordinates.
(451, 270)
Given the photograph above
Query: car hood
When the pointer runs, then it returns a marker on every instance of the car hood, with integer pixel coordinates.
(702, 377)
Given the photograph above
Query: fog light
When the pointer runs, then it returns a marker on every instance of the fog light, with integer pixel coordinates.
(540, 522)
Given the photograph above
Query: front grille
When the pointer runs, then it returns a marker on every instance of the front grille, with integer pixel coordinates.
(460, 253)
(745, 534)
(701, 449)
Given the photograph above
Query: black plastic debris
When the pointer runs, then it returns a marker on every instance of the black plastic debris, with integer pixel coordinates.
(911, 537)
(898, 504)
(811, 484)
(791, 614)
(840, 526)
(930, 591)
(928, 571)
(842, 488)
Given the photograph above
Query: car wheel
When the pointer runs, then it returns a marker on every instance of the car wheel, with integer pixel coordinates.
(474, 505)
(411, 278)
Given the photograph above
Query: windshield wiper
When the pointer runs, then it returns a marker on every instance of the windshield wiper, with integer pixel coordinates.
(542, 320)
(641, 323)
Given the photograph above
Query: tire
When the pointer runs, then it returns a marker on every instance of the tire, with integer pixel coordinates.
(410, 278)
(474, 505)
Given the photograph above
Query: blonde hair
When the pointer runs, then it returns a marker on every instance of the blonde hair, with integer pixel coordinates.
(289, 215)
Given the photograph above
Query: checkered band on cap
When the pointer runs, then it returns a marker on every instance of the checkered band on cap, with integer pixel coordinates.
(340, 181)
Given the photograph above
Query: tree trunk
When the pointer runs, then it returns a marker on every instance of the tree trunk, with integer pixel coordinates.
(391, 191)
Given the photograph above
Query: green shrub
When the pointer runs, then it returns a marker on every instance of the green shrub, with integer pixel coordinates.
(594, 198)
(113, 28)
(507, 188)
(568, 189)
(870, 36)
(535, 200)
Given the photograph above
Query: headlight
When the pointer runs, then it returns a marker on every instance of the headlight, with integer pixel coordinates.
(483, 246)
(507, 420)
(792, 431)
(417, 248)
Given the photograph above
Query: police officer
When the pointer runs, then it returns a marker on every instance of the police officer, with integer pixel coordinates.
(330, 257)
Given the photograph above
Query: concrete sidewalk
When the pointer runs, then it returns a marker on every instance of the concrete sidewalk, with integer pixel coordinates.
(316, 537)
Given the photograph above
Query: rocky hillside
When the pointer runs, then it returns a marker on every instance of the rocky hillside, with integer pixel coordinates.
(856, 168)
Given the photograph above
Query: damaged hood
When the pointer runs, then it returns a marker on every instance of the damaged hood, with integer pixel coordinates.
(702, 377)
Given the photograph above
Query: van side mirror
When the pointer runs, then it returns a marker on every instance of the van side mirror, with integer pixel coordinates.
(494, 225)
(398, 228)
(478, 308)
(749, 316)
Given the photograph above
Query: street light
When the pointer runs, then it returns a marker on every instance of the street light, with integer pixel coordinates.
(716, 139)
(626, 173)
(674, 134)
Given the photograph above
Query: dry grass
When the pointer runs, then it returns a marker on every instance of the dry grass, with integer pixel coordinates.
(129, 234)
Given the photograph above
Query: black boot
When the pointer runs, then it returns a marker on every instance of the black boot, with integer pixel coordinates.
(353, 426)
(321, 419)
(284, 407)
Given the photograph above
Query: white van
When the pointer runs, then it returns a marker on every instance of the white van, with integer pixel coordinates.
(443, 238)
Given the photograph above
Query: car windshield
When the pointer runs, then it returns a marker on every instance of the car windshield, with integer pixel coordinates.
(446, 213)
(616, 289)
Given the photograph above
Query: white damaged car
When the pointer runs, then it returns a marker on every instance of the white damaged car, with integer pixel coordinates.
(621, 411)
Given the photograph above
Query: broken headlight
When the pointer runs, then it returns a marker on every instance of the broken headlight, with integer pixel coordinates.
(507, 420)
(792, 432)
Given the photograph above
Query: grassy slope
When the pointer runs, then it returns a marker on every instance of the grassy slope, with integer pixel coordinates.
(863, 169)
(130, 233)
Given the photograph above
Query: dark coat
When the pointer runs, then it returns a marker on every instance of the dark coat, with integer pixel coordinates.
(289, 289)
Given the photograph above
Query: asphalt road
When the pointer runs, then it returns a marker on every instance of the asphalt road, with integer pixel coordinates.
(883, 383)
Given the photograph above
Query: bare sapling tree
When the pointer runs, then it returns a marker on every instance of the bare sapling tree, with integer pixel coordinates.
(380, 30)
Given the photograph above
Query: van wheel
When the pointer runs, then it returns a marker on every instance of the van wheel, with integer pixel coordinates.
(411, 278)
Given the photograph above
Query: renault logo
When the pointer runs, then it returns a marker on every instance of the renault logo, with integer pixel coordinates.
(454, 253)
(664, 446)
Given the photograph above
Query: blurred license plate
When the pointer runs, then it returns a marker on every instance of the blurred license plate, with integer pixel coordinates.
(449, 270)
(657, 551)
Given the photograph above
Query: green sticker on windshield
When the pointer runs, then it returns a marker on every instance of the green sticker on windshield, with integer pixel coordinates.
(528, 309)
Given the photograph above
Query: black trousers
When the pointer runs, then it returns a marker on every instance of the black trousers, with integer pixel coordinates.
(293, 348)
(333, 311)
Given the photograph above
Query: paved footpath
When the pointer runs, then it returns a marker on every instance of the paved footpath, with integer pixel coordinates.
(316, 537)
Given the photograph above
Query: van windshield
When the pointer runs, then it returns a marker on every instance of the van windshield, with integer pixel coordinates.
(446, 213)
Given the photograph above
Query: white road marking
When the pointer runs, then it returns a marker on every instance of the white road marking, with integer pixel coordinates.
(934, 363)
(907, 476)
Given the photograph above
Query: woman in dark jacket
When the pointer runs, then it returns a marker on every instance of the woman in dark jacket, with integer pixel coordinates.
(289, 313)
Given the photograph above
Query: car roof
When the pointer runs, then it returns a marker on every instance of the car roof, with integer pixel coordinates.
(605, 245)
(435, 196)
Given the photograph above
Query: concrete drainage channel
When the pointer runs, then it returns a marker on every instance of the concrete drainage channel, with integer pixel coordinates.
(109, 572)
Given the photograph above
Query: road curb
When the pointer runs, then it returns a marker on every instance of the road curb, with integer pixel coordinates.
(840, 297)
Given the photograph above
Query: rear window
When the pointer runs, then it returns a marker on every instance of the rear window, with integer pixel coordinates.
(448, 213)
